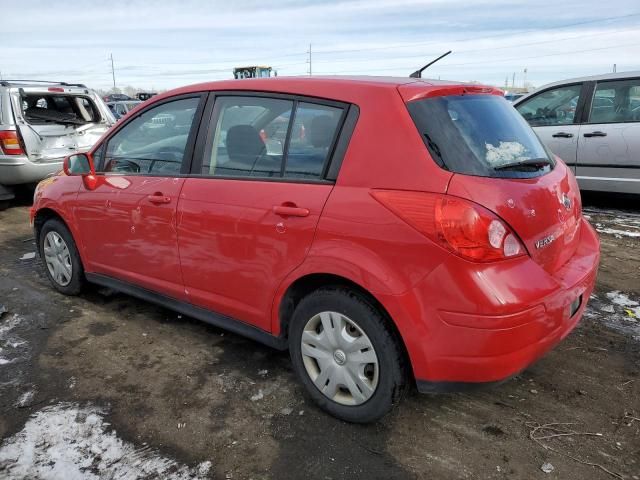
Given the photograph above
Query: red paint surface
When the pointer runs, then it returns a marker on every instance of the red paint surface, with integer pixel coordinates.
(227, 245)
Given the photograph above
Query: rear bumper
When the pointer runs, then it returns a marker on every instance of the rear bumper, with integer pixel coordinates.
(20, 170)
(489, 323)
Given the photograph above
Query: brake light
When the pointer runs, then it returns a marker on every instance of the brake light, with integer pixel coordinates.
(462, 227)
(10, 143)
(56, 89)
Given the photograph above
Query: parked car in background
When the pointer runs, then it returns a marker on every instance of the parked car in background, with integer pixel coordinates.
(593, 124)
(120, 109)
(144, 96)
(414, 231)
(117, 97)
(40, 124)
(512, 97)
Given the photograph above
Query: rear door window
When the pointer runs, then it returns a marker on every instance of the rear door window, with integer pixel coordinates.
(154, 142)
(479, 135)
(616, 102)
(249, 137)
(556, 106)
(312, 136)
(270, 138)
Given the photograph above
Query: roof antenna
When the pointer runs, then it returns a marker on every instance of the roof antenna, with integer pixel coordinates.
(418, 73)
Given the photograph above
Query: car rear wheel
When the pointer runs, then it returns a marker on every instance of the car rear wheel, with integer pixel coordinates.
(60, 256)
(346, 356)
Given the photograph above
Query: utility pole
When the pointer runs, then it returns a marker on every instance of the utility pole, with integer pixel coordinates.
(513, 80)
(309, 61)
(524, 81)
(113, 73)
(614, 68)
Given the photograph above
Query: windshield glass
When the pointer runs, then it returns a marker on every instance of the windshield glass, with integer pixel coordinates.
(479, 135)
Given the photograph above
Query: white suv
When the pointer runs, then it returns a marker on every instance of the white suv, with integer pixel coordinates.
(40, 124)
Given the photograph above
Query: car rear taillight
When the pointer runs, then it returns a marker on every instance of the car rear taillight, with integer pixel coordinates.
(56, 89)
(10, 143)
(463, 227)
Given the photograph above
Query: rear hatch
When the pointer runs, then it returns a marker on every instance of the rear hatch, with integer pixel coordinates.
(55, 121)
(499, 163)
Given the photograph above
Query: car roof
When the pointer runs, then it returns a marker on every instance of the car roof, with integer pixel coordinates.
(341, 88)
(38, 83)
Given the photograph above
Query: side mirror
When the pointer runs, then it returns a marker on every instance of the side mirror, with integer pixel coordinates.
(78, 164)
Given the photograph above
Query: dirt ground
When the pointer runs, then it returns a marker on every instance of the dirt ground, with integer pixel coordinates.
(105, 384)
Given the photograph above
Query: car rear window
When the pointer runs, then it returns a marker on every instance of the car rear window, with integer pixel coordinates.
(480, 135)
(39, 109)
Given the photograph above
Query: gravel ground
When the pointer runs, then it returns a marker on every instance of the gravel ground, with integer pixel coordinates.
(106, 386)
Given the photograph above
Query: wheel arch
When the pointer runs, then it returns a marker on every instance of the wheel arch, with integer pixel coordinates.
(311, 282)
(45, 214)
(41, 217)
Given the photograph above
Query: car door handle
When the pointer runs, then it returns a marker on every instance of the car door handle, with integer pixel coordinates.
(597, 133)
(290, 211)
(562, 135)
(159, 198)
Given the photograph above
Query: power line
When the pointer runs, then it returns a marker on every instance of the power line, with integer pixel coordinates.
(505, 34)
(497, 60)
(474, 50)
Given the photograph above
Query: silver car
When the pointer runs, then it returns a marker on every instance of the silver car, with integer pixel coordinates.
(40, 124)
(121, 108)
(593, 124)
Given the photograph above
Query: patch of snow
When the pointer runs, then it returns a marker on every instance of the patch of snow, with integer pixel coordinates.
(9, 341)
(71, 442)
(257, 396)
(547, 467)
(28, 256)
(618, 312)
(26, 399)
(616, 232)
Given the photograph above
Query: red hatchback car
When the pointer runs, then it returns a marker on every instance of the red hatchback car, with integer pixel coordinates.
(384, 230)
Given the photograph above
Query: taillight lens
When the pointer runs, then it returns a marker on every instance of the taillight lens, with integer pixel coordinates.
(463, 227)
(10, 143)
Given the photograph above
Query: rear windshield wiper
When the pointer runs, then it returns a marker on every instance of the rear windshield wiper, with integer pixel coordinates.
(530, 162)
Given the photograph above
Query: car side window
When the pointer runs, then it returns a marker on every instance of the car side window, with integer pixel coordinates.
(312, 136)
(616, 102)
(556, 106)
(154, 142)
(249, 137)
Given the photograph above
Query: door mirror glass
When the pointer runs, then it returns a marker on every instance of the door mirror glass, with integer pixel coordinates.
(77, 164)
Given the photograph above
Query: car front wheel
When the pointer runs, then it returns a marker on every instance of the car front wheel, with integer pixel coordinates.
(60, 256)
(346, 355)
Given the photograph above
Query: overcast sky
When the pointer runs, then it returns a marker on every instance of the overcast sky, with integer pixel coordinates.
(163, 44)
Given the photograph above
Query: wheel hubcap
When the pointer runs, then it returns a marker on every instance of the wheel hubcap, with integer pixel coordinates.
(339, 358)
(58, 259)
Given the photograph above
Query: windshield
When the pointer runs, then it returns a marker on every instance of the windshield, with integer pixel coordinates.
(480, 135)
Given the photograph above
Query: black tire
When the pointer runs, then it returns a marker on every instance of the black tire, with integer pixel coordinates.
(77, 282)
(393, 373)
